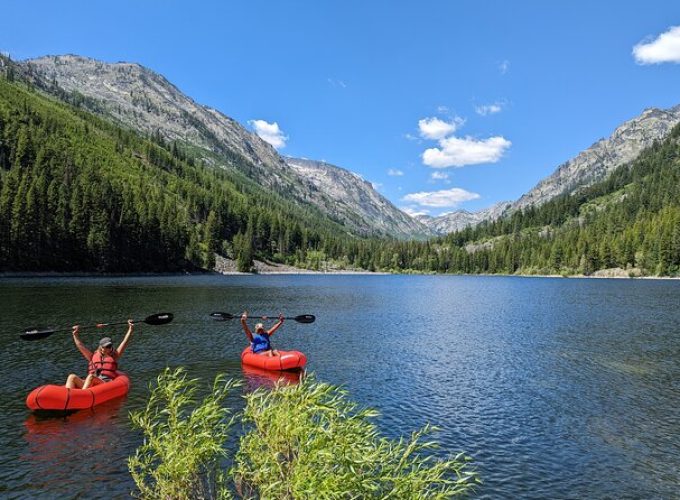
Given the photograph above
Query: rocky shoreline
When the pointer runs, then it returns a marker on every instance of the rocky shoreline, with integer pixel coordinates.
(227, 267)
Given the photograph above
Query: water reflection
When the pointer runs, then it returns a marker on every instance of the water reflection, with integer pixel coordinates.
(256, 377)
(80, 448)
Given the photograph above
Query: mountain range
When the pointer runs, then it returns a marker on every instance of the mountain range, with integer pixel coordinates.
(139, 98)
(109, 167)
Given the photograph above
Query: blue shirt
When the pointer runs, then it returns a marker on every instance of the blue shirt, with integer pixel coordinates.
(260, 342)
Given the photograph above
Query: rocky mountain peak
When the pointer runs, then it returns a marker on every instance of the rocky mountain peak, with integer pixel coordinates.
(460, 219)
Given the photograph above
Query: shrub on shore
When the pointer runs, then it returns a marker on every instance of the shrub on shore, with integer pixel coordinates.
(183, 440)
(300, 441)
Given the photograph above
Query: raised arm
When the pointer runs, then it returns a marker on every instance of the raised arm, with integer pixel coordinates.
(276, 326)
(244, 324)
(126, 339)
(87, 354)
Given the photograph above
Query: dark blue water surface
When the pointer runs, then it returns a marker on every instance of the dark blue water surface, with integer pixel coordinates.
(558, 388)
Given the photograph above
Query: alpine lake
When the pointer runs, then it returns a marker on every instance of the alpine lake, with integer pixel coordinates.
(557, 388)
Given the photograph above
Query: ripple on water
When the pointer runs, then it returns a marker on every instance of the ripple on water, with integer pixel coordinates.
(556, 388)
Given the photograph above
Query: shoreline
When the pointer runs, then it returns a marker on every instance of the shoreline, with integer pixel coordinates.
(305, 272)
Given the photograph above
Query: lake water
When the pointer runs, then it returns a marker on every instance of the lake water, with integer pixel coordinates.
(558, 388)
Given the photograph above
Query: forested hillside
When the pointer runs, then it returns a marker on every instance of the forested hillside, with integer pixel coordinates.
(137, 98)
(80, 194)
(630, 221)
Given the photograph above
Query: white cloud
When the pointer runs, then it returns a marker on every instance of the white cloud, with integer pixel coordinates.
(337, 83)
(443, 110)
(489, 109)
(413, 212)
(458, 152)
(395, 172)
(504, 67)
(377, 185)
(664, 48)
(269, 132)
(440, 199)
(434, 128)
(439, 176)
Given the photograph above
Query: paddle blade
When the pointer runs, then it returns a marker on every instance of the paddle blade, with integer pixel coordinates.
(35, 334)
(159, 319)
(305, 318)
(221, 316)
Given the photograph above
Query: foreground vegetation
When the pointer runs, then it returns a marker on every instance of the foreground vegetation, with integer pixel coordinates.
(299, 441)
(78, 193)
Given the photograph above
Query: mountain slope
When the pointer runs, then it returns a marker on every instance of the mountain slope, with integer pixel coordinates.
(598, 161)
(356, 200)
(137, 97)
(630, 221)
(78, 193)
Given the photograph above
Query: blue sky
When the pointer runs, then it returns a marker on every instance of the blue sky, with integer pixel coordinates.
(475, 100)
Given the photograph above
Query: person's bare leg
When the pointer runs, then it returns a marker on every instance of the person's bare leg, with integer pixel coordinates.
(91, 381)
(74, 382)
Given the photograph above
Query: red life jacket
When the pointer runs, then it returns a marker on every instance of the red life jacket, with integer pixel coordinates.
(103, 365)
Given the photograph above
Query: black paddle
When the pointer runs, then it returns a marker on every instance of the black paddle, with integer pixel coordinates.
(303, 318)
(36, 333)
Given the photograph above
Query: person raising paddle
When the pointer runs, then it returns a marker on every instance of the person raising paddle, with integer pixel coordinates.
(103, 363)
(259, 341)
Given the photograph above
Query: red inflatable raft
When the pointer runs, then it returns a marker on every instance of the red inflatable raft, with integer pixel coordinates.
(286, 360)
(57, 397)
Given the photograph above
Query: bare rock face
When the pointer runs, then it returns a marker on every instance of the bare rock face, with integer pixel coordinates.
(145, 101)
(355, 199)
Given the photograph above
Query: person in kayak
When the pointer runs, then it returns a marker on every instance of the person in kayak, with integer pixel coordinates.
(103, 363)
(259, 341)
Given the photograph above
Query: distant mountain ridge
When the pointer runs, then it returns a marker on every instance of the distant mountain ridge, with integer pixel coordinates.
(460, 219)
